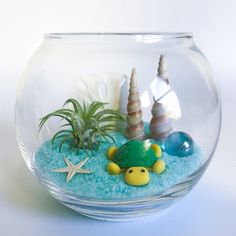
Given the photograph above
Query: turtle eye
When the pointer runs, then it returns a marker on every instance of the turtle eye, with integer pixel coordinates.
(130, 171)
(142, 170)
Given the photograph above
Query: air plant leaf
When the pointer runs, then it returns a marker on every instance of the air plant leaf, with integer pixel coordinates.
(61, 134)
(86, 126)
(77, 107)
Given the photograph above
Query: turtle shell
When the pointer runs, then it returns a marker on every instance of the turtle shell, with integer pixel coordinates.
(135, 153)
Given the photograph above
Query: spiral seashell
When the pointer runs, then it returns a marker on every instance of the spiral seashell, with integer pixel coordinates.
(162, 69)
(160, 124)
(135, 125)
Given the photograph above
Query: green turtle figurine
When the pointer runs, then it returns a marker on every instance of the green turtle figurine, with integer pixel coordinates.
(136, 158)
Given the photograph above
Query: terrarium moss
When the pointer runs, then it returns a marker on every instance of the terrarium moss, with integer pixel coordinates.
(87, 125)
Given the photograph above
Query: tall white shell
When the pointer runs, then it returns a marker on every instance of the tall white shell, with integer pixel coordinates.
(135, 125)
(163, 92)
(160, 124)
(162, 69)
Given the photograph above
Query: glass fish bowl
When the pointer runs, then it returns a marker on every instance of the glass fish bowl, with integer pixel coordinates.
(117, 125)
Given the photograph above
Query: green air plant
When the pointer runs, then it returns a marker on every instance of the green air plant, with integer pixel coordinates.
(85, 126)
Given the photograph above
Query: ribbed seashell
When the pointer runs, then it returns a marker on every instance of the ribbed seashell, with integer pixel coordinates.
(135, 125)
(160, 124)
(162, 69)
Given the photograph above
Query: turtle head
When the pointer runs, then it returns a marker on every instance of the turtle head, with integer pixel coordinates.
(137, 176)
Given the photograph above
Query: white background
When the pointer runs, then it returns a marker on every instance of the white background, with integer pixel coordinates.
(26, 208)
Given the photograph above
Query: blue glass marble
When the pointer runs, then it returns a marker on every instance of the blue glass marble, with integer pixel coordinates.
(179, 144)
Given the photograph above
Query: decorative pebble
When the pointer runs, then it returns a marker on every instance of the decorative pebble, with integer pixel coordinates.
(179, 144)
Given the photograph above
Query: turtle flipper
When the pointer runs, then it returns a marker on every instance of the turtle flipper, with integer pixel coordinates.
(113, 168)
(159, 166)
(157, 149)
(111, 152)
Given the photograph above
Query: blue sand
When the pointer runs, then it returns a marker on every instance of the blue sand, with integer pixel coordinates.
(100, 184)
(179, 144)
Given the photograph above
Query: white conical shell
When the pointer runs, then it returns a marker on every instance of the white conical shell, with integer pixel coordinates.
(135, 125)
(162, 69)
(163, 93)
(160, 124)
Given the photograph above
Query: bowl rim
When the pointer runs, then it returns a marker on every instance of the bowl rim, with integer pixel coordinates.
(161, 35)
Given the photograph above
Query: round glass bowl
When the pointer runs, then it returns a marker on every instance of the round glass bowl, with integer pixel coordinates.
(135, 119)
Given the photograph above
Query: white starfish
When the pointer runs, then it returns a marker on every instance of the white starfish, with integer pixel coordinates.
(73, 169)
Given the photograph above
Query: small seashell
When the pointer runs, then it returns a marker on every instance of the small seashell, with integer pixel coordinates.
(135, 125)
